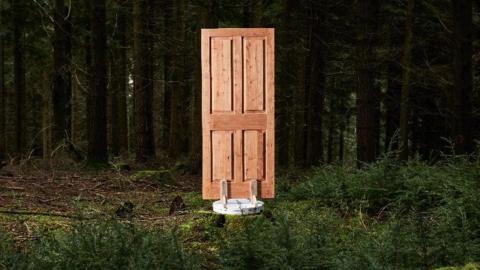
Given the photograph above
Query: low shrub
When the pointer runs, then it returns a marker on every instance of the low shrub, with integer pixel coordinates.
(102, 245)
(387, 215)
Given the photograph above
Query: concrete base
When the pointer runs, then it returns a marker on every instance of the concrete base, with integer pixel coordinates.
(238, 207)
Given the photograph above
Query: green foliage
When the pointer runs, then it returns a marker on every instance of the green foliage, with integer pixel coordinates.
(288, 242)
(387, 215)
(469, 266)
(104, 245)
(10, 258)
(413, 215)
(161, 176)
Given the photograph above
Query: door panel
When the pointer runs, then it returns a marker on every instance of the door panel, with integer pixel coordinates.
(254, 154)
(222, 155)
(222, 69)
(254, 64)
(238, 111)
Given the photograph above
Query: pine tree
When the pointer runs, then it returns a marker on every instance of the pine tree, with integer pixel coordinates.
(368, 103)
(143, 79)
(405, 98)
(97, 95)
(118, 96)
(19, 74)
(462, 71)
(61, 84)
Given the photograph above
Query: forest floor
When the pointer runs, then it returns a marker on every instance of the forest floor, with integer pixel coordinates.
(388, 215)
(38, 198)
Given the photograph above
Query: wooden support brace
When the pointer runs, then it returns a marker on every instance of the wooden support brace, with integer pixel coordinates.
(224, 192)
(253, 191)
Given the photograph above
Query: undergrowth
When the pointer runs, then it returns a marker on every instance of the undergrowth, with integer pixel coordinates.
(100, 245)
(387, 215)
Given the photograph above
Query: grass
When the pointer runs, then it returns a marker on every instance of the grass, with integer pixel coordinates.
(388, 215)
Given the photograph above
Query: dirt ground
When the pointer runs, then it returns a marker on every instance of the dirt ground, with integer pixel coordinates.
(43, 197)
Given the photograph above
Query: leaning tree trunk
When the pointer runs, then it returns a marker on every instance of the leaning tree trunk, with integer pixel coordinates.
(368, 102)
(61, 84)
(97, 96)
(405, 98)
(143, 87)
(462, 73)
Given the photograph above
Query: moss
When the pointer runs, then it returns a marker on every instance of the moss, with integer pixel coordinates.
(470, 266)
(194, 201)
(162, 176)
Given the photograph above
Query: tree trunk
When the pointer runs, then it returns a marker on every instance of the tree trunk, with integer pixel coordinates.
(394, 86)
(343, 123)
(177, 106)
(118, 97)
(61, 84)
(367, 94)
(143, 88)
(392, 108)
(462, 73)
(97, 96)
(2, 87)
(341, 144)
(405, 99)
(286, 85)
(168, 71)
(331, 130)
(315, 87)
(19, 74)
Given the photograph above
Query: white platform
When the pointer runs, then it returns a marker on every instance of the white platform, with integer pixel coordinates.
(238, 207)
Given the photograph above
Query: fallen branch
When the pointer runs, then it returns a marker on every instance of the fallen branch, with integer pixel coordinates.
(31, 213)
(13, 188)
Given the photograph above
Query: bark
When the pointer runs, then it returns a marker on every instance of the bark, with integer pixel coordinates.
(462, 73)
(19, 74)
(61, 83)
(143, 88)
(97, 96)
(343, 123)
(315, 88)
(341, 144)
(392, 107)
(177, 107)
(2, 88)
(331, 131)
(405, 98)
(299, 105)
(118, 97)
(367, 94)
(286, 86)
(167, 62)
(394, 87)
(46, 123)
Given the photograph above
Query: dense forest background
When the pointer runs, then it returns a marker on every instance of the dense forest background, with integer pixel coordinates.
(102, 79)
(377, 129)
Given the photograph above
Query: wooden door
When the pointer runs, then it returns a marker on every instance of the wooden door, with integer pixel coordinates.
(238, 111)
